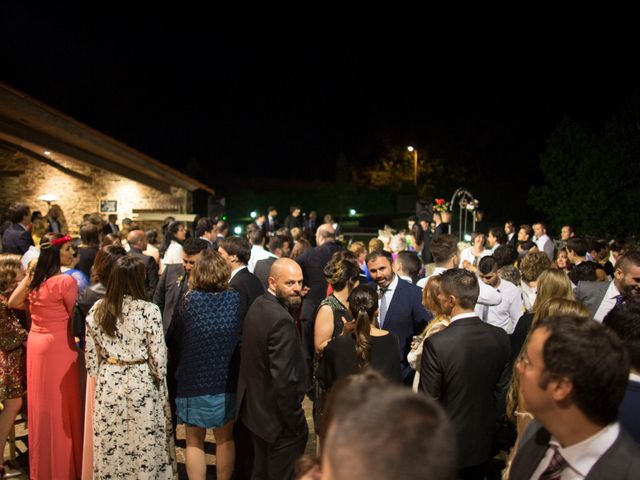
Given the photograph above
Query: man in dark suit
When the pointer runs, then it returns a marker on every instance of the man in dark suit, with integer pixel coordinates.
(207, 230)
(312, 262)
(17, 237)
(236, 251)
(173, 284)
(271, 224)
(401, 310)
(111, 226)
(601, 297)
(273, 376)
(573, 376)
(138, 243)
(467, 368)
(278, 245)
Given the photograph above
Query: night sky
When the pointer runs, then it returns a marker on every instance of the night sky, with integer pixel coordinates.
(255, 93)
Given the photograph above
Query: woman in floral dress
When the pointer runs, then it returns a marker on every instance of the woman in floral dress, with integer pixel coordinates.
(126, 354)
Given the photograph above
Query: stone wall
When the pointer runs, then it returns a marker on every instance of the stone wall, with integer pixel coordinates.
(23, 178)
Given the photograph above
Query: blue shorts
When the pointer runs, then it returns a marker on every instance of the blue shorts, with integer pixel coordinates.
(206, 411)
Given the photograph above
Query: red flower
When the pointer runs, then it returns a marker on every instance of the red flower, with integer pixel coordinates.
(439, 201)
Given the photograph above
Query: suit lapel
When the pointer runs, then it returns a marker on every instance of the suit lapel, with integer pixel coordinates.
(530, 455)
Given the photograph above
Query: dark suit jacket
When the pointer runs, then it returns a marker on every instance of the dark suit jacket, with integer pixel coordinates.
(171, 287)
(620, 462)
(591, 294)
(151, 279)
(110, 228)
(467, 368)
(249, 287)
(440, 230)
(16, 240)
(262, 269)
(406, 317)
(273, 378)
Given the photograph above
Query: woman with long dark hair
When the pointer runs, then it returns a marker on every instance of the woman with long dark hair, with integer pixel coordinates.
(127, 356)
(102, 267)
(171, 248)
(54, 400)
(367, 346)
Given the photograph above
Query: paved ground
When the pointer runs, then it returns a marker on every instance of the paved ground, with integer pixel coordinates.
(22, 460)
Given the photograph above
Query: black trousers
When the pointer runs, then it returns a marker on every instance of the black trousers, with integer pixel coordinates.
(275, 461)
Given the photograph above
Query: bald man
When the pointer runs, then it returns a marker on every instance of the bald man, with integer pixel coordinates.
(137, 240)
(273, 377)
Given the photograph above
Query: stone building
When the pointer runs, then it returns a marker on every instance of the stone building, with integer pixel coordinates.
(44, 153)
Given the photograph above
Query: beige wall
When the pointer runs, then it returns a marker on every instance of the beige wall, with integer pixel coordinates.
(23, 178)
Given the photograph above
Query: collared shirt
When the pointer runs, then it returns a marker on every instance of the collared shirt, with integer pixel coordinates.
(464, 315)
(545, 245)
(507, 313)
(258, 253)
(236, 271)
(487, 296)
(608, 302)
(582, 456)
(405, 278)
(388, 296)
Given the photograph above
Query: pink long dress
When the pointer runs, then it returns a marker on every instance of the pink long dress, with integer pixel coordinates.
(54, 398)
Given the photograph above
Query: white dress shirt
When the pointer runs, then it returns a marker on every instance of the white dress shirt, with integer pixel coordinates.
(608, 302)
(487, 296)
(467, 254)
(258, 253)
(173, 254)
(388, 296)
(582, 456)
(463, 315)
(545, 245)
(507, 313)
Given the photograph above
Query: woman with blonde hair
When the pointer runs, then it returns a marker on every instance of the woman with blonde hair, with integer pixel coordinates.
(440, 322)
(552, 283)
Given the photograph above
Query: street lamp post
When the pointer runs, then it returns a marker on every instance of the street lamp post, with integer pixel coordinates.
(415, 165)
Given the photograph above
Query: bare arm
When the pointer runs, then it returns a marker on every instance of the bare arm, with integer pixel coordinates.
(323, 330)
(18, 298)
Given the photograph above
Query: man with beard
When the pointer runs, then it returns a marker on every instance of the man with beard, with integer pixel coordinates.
(273, 376)
(601, 297)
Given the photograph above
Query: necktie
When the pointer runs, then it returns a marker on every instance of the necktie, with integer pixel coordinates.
(555, 467)
(619, 300)
(383, 305)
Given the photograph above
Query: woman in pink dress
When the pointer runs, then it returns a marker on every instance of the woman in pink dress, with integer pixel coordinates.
(54, 399)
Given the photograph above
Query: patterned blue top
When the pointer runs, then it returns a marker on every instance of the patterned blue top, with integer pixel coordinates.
(207, 333)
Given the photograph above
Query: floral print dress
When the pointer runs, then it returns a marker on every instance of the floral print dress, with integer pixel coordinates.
(132, 435)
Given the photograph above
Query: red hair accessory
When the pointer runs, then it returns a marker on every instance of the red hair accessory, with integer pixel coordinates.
(55, 242)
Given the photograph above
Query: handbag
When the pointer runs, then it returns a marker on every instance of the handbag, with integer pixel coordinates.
(12, 335)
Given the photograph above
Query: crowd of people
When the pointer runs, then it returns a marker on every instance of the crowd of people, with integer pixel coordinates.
(517, 356)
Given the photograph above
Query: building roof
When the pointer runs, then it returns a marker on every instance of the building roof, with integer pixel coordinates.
(32, 127)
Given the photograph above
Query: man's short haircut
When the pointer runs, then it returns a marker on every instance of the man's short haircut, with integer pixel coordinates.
(527, 228)
(204, 225)
(505, 255)
(223, 227)
(570, 227)
(237, 246)
(254, 234)
(411, 264)
(277, 242)
(193, 246)
(528, 245)
(487, 265)
(392, 434)
(498, 232)
(17, 211)
(624, 320)
(544, 227)
(632, 257)
(584, 272)
(592, 358)
(89, 234)
(463, 285)
(375, 244)
(618, 245)
(293, 208)
(270, 208)
(578, 245)
(374, 255)
(444, 248)
(358, 248)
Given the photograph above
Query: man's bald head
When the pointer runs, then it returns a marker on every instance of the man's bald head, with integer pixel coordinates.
(325, 233)
(137, 239)
(285, 281)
